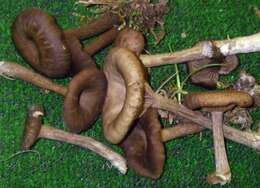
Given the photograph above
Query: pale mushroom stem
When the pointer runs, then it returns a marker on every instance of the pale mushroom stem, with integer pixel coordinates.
(157, 101)
(207, 49)
(14, 70)
(222, 174)
(85, 142)
(180, 130)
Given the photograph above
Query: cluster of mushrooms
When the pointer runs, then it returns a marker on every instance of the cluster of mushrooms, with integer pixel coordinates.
(121, 93)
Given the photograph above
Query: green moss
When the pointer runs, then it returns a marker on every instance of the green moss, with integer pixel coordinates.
(188, 159)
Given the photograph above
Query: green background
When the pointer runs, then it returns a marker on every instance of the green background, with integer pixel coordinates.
(189, 159)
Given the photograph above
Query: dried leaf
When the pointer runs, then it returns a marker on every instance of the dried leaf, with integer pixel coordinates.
(257, 12)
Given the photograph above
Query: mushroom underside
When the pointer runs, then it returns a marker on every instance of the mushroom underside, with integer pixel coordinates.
(143, 147)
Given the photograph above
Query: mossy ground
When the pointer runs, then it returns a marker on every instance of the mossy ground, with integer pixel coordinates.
(189, 159)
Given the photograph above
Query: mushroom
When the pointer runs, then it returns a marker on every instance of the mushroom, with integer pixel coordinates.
(84, 96)
(208, 77)
(128, 96)
(42, 43)
(125, 93)
(143, 146)
(217, 103)
(34, 130)
(79, 59)
(101, 41)
(206, 49)
(130, 39)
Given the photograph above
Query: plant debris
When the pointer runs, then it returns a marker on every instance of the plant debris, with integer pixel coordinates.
(239, 116)
(141, 15)
(247, 83)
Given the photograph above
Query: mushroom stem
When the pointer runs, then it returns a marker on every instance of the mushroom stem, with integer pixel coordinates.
(102, 41)
(17, 71)
(85, 142)
(95, 27)
(180, 130)
(222, 174)
(206, 49)
(157, 101)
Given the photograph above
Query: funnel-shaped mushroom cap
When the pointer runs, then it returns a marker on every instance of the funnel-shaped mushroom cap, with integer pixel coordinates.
(125, 93)
(217, 100)
(41, 42)
(143, 146)
(130, 39)
(230, 63)
(84, 99)
(208, 77)
(80, 59)
(32, 126)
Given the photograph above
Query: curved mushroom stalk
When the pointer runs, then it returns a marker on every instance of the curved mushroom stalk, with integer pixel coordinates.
(34, 130)
(16, 71)
(207, 49)
(84, 96)
(95, 27)
(43, 44)
(102, 41)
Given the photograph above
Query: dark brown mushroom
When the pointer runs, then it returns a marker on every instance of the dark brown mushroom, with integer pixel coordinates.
(79, 59)
(143, 146)
(84, 99)
(217, 103)
(130, 39)
(84, 96)
(120, 66)
(34, 130)
(208, 77)
(42, 43)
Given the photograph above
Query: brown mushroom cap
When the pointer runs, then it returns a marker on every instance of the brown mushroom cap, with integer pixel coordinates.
(32, 126)
(230, 63)
(125, 93)
(217, 100)
(208, 77)
(84, 99)
(130, 39)
(41, 42)
(143, 146)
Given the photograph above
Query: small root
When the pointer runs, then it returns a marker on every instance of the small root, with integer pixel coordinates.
(20, 153)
